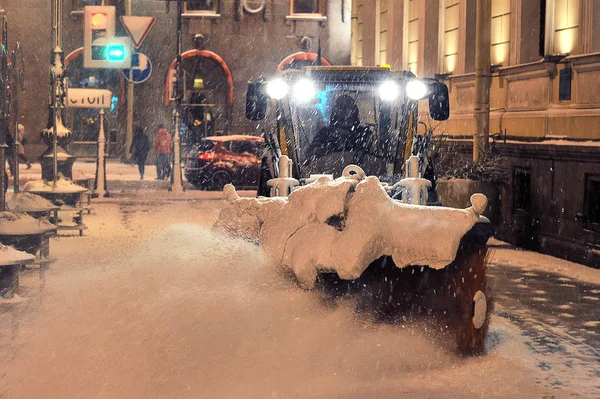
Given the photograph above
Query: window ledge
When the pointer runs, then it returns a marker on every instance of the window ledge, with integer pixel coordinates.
(306, 17)
(190, 14)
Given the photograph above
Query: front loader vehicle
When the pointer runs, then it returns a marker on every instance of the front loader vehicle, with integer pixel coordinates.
(344, 150)
(325, 118)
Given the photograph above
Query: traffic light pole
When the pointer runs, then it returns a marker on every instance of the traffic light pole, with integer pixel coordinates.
(176, 182)
(130, 100)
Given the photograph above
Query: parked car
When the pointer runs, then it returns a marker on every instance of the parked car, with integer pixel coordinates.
(218, 160)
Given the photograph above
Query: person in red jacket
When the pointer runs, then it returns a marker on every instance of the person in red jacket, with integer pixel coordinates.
(163, 147)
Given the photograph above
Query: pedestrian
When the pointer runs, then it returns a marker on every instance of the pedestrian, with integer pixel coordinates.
(9, 151)
(21, 141)
(140, 147)
(163, 146)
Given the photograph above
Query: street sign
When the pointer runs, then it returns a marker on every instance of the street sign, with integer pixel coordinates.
(88, 98)
(140, 70)
(137, 27)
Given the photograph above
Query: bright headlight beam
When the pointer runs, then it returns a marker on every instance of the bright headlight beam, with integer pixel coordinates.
(277, 89)
(416, 90)
(304, 91)
(389, 91)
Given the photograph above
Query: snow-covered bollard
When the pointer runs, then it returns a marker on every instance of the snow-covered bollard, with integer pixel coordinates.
(10, 262)
(282, 186)
(414, 188)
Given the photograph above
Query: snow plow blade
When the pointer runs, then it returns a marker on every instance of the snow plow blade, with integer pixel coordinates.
(348, 236)
(455, 297)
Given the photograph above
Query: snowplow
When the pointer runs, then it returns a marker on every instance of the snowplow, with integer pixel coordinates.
(347, 198)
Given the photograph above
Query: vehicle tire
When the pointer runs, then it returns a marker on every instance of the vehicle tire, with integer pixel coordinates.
(219, 179)
(467, 286)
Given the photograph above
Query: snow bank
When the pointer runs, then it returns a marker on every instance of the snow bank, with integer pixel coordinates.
(14, 223)
(345, 224)
(10, 256)
(62, 186)
(28, 202)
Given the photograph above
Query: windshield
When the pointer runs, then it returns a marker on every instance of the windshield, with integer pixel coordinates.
(342, 124)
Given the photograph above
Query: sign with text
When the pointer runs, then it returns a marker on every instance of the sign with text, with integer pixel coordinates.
(88, 98)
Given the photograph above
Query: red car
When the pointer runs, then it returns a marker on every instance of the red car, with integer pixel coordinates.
(219, 160)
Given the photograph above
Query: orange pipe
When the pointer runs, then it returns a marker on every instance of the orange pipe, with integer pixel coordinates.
(72, 55)
(301, 56)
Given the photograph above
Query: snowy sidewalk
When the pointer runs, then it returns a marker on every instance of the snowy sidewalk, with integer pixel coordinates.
(115, 170)
(503, 254)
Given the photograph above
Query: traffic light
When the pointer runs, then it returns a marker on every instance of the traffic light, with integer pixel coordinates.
(102, 49)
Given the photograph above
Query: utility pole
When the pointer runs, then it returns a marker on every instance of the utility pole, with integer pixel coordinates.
(176, 182)
(483, 78)
(130, 100)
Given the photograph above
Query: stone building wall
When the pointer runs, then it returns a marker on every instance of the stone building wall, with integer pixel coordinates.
(251, 45)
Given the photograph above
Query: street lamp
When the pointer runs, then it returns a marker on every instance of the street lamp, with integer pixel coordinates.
(56, 134)
(176, 185)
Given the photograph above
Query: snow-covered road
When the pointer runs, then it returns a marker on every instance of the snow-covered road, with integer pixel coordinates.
(150, 303)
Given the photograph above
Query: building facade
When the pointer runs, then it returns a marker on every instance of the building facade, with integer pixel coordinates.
(544, 110)
(226, 43)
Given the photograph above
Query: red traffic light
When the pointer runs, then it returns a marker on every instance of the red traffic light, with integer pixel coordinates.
(99, 20)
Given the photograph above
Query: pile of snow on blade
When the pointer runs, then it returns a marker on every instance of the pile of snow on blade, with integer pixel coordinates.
(345, 224)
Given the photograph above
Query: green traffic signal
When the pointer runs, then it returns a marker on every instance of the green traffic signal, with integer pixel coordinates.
(115, 52)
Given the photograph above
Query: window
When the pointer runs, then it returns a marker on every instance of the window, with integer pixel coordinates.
(566, 26)
(249, 147)
(307, 7)
(521, 189)
(79, 4)
(381, 56)
(413, 35)
(592, 202)
(500, 32)
(562, 26)
(357, 35)
(451, 22)
(564, 84)
(201, 6)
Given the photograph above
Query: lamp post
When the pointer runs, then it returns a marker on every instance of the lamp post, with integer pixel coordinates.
(56, 134)
(4, 114)
(17, 60)
(176, 185)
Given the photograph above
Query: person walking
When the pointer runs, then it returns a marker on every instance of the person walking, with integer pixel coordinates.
(21, 141)
(163, 147)
(140, 147)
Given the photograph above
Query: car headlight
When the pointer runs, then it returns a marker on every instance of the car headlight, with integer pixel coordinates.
(415, 89)
(277, 89)
(304, 91)
(389, 91)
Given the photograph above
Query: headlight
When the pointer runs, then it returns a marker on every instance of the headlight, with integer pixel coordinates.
(277, 89)
(389, 91)
(304, 91)
(416, 90)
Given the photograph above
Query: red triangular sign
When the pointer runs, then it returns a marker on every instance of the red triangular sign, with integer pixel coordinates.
(137, 27)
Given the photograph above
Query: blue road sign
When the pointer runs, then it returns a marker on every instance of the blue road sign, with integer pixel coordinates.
(140, 70)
